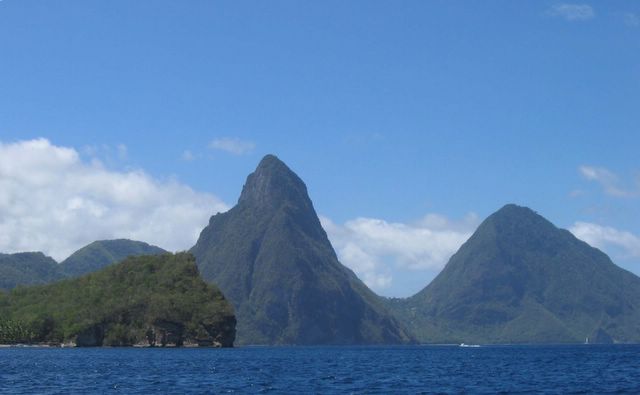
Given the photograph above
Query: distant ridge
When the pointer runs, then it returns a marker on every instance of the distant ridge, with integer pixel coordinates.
(519, 279)
(271, 258)
(99, 254)
(27, 268)
(35, 268)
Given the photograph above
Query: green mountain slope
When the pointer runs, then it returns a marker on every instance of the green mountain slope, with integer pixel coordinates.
(27, 268)
(143, 300)
(102, 253)
(272, 259)
(519, 279)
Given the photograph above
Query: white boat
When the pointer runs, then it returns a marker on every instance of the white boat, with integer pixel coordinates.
(469, 345)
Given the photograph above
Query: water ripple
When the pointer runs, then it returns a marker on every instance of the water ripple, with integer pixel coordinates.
(282, 370)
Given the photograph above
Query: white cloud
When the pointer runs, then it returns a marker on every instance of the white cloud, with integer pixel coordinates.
(609, 181)
(53, 201)
(374, 248)
(233, 146)
(572, 12)
(605, 237)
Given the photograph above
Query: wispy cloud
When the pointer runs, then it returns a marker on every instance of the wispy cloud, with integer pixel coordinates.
(122, 151)
(631, 19)
(53, 201)
(609, 181)
(572, 12)
(233, 146)
(188, 156)
(113, 155)
(375, 248)
(605, 237)
(576, 193)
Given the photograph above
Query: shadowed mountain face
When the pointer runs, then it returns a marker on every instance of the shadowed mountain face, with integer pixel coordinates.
(271, 258)
(519, 279)
(99, 254)
(27, 268)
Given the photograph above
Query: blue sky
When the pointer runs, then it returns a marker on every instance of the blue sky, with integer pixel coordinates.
(409, 121)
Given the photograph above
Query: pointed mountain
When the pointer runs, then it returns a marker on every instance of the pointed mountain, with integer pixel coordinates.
(99, 254)
(519, 279)
(27, 268)
(272, 259)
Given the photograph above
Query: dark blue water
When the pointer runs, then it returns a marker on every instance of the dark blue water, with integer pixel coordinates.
(375, 370)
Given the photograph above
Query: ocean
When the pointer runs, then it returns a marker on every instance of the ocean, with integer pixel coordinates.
(559, 369)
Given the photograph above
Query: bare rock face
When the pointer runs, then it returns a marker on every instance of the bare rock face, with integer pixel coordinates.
(272, 259)
(219, 333)
(165, 333)
(90, 337)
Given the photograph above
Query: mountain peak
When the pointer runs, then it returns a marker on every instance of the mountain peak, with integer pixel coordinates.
(519, 278)
(513, 210)
(270, 160)
(273, 183)
(272, 259)
(513, 221)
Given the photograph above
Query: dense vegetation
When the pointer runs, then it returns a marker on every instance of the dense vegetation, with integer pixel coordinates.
(27, 268)
(153, 300)
(102, 253)
(272, 259)
(519, 279)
